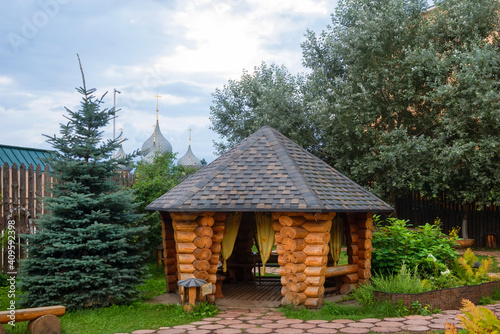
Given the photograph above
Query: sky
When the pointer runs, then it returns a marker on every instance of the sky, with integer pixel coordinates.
(181, 50)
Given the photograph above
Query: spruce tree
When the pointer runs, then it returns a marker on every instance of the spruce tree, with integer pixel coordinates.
(85, 253)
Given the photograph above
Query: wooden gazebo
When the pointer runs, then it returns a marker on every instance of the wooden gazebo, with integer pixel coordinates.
(301, 195)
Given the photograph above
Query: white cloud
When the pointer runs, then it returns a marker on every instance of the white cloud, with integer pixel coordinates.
(5, 80)
(221, 39)
(295, 6)
(180, 49)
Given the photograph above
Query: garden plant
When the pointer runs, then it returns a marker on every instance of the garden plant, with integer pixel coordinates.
(425, 247)
(417, 260)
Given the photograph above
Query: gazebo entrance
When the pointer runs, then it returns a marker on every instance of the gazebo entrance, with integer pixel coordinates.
(246, 278)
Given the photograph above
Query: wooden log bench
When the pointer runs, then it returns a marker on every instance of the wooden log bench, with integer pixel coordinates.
(41, 319)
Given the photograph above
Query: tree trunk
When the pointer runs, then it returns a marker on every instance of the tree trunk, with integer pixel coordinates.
(465, 221)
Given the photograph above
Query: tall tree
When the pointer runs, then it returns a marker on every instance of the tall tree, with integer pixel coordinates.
(401, 97)
(268, 96)
(84, 254)
(154, 179)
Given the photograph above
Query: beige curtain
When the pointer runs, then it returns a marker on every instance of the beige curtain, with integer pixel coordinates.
(232, 225)
(265, 236)
(336, 239)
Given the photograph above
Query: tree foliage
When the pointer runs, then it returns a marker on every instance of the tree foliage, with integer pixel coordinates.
(84, 254)
(268, 96)
(398, 97)
(153, 180)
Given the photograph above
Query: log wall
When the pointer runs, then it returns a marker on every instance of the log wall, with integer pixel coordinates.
(359, 228)
(198, 238)
(169, 253)
(303, 248)
(302, 254)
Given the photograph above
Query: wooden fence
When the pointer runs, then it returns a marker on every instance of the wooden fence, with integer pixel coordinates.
(483, 220)
(22, 190)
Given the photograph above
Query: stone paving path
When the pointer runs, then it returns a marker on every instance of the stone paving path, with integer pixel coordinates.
(233, 321)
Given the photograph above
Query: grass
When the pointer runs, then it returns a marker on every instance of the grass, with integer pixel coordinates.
(140, 315)
(123, 318)
(333, 311)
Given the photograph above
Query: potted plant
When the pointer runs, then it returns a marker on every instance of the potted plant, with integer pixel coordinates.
(460, 243)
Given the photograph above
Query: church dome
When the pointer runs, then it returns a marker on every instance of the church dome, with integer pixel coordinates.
(156, 139)
(121, 155)
(150, 156)
(189, 159)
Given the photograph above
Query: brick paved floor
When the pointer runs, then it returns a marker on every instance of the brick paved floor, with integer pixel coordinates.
(266, 320)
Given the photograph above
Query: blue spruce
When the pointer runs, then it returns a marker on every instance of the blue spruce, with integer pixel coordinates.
(87, 252)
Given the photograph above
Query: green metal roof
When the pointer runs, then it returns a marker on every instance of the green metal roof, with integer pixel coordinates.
(19, 155)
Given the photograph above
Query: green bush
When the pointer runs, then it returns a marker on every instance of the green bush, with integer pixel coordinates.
(205, 310)
(425, 246)
(364, 294)
(485, 300)
(403, 282)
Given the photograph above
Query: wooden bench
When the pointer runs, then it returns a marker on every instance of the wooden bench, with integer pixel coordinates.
(272, 262)
(41, 319)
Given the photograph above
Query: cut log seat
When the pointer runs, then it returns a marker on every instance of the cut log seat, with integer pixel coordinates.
(41, 319)
(32, 313)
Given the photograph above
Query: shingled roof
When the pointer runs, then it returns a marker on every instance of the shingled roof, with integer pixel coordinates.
(269, 172)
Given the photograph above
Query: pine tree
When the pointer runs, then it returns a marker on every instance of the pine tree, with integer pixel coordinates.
(85, 254)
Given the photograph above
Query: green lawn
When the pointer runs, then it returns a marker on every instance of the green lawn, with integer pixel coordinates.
(122, 318)
(125, 318)
(332, 311)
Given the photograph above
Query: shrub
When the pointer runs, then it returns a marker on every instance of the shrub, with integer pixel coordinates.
(444, 281)
(486, 301)
(205, 310)
(403, 282)
(470, 271)
(425, 246)
(154, 179)
(363, 294)
(475, 320)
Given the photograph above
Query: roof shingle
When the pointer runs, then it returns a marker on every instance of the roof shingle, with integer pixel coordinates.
(269, 172)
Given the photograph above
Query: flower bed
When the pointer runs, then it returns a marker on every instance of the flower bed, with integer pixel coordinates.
(445, 299)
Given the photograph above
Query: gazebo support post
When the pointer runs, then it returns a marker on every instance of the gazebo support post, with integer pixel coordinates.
(303, 246)
(303, 254)
(365, 228)
(198, 238)
(169, 255)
